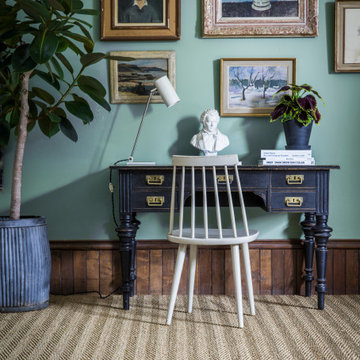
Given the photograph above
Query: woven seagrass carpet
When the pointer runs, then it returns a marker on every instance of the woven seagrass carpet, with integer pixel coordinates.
(88, 327)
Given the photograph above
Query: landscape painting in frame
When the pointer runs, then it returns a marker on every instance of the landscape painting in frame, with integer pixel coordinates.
(347, 36)
(131, 81)
(248, 86)
(265, 18)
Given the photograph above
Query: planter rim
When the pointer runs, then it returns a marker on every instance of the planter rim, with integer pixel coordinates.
(24, 221)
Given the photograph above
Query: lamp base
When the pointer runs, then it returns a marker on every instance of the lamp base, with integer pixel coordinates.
(141, 163)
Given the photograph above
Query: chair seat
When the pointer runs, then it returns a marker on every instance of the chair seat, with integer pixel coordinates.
(213, 238)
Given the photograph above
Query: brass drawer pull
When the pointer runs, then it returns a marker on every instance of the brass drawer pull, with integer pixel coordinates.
(155, 200)
(154, 179)
(294, 179)
(221, 179)
(293, 201)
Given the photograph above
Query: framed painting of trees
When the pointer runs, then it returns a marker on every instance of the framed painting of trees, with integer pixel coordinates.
(247, 86)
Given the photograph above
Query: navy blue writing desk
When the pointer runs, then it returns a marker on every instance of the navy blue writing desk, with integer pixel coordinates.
(281, 189)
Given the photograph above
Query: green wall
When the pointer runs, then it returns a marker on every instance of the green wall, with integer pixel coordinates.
(68, 183)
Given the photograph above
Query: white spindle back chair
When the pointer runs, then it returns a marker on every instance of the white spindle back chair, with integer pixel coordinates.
(205, 235)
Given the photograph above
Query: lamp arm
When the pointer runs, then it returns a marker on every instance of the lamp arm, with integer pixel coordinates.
(152, 91)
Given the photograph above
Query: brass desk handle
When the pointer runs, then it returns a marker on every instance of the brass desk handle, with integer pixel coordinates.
(155, 200)
(221, 179)
(154, 179)
(293, 201)
(294, 179)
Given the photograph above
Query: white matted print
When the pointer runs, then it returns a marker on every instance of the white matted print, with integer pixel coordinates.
(247, 86)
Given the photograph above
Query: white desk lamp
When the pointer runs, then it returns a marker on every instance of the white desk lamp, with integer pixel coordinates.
(168, 94)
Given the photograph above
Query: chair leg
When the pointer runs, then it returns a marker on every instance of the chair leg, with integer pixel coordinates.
(246, 258)
(192, 269)
(176, 281)
(237, 280)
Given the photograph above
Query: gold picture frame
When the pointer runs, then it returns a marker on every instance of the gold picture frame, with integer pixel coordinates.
(260, 18)
(117, 24)
(131, 81)
(247, 85)
(347, 36)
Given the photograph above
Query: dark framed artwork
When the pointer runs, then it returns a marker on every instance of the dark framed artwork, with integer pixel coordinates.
(347, 36)
(140, 19)
(247, 86)
(260, 18)
(131, 81)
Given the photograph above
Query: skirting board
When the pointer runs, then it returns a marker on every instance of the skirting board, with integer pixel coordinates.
(277, 267)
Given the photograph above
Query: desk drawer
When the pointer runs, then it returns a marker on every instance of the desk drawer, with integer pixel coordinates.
(151, 201)
(293, 201)
(293, 179)
(153, 179)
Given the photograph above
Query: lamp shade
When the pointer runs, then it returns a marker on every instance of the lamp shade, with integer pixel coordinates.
(166, 91)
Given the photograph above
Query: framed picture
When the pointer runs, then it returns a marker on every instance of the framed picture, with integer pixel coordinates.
(260, 18)
(131, 81)
(247, 86)
(347, 36)
(140, 19)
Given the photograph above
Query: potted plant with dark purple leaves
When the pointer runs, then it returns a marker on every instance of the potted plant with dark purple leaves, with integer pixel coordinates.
(297, 110)
(36, 37)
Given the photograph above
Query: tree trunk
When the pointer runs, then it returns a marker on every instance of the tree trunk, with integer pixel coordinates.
(20, 147)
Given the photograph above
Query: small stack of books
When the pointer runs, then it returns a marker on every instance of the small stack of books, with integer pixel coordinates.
(286, 157)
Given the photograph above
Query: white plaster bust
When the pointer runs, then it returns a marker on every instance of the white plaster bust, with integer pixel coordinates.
(210, 140)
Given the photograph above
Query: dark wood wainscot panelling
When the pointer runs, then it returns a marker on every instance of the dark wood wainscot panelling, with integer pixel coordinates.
(277, 267)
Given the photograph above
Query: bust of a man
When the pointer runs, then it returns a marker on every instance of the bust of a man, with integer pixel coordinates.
(210, 140)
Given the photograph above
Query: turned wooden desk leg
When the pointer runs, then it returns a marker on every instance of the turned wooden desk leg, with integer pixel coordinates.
(309, 245)
(322, 233)
(136, 224)
(126, 233)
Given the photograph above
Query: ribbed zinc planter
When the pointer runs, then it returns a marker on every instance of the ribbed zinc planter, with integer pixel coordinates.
(25, 264)
(297, 135)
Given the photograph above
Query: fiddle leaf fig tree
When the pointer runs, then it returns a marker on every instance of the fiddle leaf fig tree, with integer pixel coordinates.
(36, 36)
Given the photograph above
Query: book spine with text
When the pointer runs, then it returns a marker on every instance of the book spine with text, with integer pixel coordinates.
(279, 162)
(285, 153)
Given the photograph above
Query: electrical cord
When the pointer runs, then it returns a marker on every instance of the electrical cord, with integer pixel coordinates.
(112, 188)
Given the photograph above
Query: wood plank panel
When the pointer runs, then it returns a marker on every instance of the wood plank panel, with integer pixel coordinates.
(184, 275)
(265, 272)
(255, 269)
(67, 273)
(229, 276)
(205, 271)
(116, 271)
(300, 266)
(218, 271)
(155, 272)
(92, 271)
(289, 272)
(277, 270)
(79, 258)
(143, 272)
(55, 283)
(352, 271)
(168, 261)
(330, 271)
(106, 279)
(339, 272)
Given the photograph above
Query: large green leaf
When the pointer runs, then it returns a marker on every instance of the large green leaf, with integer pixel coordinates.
(65, 62)
(4, 133)
(43, 95)
(53, 117)
(57, 68)
(56, 5)
(89, 84)
(89, 59)
(43, 47)
(80, 110)
(88, 42)
(62, 45)
(21, 60)
(68, 130)
(87, 12)
(14, 117)
(35, 10)
(48, 127)
(47, 77)
(101, 101)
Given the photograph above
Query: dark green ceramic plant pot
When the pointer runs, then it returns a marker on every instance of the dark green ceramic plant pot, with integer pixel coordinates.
(25, 264)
